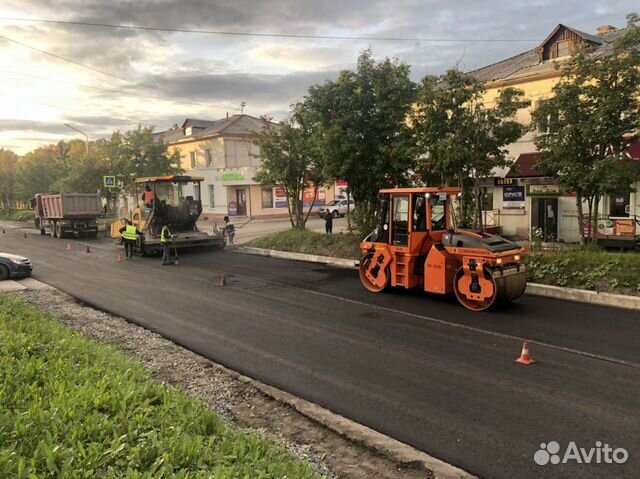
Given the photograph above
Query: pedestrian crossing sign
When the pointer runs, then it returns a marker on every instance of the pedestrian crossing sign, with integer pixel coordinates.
(109, 181)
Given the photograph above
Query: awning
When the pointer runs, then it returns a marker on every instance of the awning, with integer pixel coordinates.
(524, 167)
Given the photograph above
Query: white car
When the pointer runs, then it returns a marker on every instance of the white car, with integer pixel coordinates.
(337, 207)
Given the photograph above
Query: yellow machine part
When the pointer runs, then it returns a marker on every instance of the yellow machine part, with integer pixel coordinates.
(137, 221)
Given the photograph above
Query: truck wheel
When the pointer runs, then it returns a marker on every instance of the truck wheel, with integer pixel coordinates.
(4, 272)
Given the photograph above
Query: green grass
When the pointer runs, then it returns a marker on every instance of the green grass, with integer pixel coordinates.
(338, 245)
(16, 215)
(587, 268)
(74, 408)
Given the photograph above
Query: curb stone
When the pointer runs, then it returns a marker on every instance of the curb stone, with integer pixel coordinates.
(533, 289)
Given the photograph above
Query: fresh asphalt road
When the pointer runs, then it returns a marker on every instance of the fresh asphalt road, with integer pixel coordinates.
(418, 368)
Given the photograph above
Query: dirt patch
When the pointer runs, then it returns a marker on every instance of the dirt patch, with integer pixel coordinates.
(236, 401)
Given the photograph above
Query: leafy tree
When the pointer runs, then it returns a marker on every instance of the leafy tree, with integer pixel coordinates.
(590, 121)
(8, 161)
(136, 154)
(461, 138)
(37, 172)
(357, 123)
(290, 161)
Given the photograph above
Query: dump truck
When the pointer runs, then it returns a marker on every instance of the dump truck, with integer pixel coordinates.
(161, 201)
(67, 214)
(417, 245)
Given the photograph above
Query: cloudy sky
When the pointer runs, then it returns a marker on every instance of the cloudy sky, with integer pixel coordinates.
(101, 79)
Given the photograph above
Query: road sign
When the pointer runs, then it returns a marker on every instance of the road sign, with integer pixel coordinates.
(109, 181)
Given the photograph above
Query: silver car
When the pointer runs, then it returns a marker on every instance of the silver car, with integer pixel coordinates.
(337, 207)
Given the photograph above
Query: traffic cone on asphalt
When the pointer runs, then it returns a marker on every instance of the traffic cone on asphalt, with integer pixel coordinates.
(25, 236)
(69, 247)
(4, 232)
(88, 249)
(524, 356)
(223, 280)
(119, 259)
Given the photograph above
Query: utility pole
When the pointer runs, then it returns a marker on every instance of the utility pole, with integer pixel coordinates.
(242, 105)
(86, 141)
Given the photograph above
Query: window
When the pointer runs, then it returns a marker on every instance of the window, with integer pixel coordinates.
(209, 158)
(400, 229)
(563, 48)
(419, 213)
(212, 198)
(192, 156)
(438, 219)
(267, 198)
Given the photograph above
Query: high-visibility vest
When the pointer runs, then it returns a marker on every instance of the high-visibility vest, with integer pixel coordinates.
(149, 197)
(165, 236)
(130, 233)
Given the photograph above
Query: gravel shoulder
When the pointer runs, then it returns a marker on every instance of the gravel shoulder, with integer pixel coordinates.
(220, 389)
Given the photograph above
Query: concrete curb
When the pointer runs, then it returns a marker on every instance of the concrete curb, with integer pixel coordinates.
(355, 432)
(533, 289)
(584, 296)
(310, 258)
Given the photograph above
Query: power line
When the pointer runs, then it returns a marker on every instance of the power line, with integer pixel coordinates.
(276, 35)
(61, 58)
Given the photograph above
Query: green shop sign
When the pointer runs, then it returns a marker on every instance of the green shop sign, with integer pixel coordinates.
(232, 176)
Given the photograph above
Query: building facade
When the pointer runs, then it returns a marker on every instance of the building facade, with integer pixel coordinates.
(223, 153)
(522, 199)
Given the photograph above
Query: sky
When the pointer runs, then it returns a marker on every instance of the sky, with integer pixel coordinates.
(100, 79)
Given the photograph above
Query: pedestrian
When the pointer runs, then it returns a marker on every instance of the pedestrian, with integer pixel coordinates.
(129, 237)
(230, 230)
(166, 240)
(328, 222)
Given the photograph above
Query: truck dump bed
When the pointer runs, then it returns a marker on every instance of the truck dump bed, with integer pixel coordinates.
(71, 205)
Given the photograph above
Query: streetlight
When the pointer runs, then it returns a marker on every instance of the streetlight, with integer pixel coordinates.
(83, 133)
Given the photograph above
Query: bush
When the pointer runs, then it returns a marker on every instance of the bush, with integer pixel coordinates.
(17, 215)
(587, 268)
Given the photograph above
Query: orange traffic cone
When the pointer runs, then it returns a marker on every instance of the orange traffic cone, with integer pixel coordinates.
(119, 259)
(524, 356)
(223, 280)
(69, 247)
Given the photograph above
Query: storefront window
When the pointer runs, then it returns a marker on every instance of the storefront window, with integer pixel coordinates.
(267, 198)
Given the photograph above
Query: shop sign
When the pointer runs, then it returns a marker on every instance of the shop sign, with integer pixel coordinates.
(544, 190)
(513, 197)
(505, 181)
(280, 197)
(320, 199)
(232, 176)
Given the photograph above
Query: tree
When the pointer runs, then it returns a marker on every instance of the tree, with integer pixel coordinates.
(290, 161)
(357, 124)
(590, 121)
(8, 161)
(136, 154)
(460, 138)
(37, 172)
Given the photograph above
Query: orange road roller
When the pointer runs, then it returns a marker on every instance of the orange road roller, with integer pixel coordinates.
(417, 245)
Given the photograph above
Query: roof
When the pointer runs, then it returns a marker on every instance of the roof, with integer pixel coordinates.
(529, 62)
(525, 166)
(235, 125)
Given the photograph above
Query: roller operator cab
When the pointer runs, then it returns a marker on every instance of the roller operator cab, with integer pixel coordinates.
(417, 245)
(163, 200)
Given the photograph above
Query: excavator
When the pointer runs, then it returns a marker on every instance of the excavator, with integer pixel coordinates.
(161, 201)
(417, 244)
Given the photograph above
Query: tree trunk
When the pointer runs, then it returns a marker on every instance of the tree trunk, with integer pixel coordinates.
(580, 217)
(590, 226)
(286, 192)
(595, 219)
(348, 209)
(315, 195)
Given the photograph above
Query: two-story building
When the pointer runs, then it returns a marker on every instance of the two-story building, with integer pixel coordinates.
(522, 197)
(223, 153)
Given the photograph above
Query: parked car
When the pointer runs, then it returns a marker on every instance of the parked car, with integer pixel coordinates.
(337, 207)
(14, 266)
